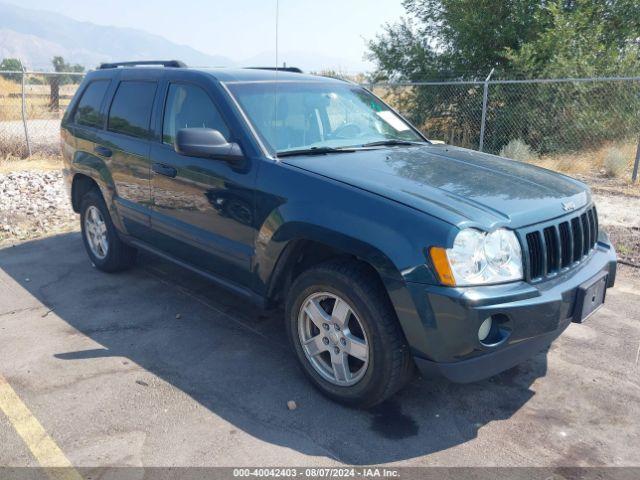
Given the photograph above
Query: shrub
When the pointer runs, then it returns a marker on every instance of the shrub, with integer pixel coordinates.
(518, 150)
(615, 163)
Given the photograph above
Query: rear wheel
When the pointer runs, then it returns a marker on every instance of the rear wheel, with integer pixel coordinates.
(346, 335)
(105, 249)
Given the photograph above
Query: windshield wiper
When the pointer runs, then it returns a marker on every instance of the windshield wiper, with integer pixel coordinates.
(392, 143)
(315, 151)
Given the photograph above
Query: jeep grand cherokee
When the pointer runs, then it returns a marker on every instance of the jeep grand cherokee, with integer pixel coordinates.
(387, 251)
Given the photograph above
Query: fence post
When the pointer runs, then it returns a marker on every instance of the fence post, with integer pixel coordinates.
(634, 175)
(24, 111)
(485, 98)
(54, 93)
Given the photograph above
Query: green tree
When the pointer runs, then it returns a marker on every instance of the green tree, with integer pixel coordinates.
(59, 65)
(11, 65)
(582, 38)
(456, 38)
(465, 39)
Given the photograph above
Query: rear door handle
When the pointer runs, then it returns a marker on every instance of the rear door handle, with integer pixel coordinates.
(166, 170)
(103, 151)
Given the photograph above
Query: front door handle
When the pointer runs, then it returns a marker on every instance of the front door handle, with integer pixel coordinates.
(166, 170)
(103, 151)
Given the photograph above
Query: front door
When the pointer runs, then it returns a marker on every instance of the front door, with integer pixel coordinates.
(203, 208)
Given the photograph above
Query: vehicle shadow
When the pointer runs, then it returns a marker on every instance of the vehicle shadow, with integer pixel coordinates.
(234, 360)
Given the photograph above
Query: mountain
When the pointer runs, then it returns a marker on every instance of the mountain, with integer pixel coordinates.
(37, 36)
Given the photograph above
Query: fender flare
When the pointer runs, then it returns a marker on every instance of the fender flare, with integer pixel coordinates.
(96, 169)
(275, 246)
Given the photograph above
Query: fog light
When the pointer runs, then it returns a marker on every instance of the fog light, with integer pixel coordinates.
(485, 329)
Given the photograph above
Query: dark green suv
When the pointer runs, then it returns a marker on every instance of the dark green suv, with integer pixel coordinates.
(387, 251)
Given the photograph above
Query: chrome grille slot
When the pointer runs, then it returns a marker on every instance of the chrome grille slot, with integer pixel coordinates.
(535, 254)
(586, 234)
(576, 228)
(566, 244)
(592, 227)
(553, 253)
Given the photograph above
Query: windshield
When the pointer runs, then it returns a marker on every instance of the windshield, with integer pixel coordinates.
(307, 115)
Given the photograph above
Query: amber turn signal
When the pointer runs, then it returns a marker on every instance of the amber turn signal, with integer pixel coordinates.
(441, 264)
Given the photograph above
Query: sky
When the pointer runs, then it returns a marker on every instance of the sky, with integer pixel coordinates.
(241, 29)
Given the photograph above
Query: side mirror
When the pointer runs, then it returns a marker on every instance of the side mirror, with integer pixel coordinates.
(207, 143)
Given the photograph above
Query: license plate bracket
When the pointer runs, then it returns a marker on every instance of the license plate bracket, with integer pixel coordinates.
(590, 297)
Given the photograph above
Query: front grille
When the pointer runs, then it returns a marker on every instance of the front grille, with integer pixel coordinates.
(554, 247)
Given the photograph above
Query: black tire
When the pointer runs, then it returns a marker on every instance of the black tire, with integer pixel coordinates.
(119, 256)
(390, 365)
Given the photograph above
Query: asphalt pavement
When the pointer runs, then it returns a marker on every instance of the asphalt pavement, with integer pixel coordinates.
(158, 367)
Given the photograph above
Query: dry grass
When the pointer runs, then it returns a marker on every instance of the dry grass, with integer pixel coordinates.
(589, 164)
(518, 150)
(7, 86)
(37, 105)
(588, 160)
(36, 163)
(615, 163)
(13, 147)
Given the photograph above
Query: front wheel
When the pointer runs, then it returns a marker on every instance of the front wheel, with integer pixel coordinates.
(345, 334)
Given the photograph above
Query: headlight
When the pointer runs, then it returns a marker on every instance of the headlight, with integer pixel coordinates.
(479, 258)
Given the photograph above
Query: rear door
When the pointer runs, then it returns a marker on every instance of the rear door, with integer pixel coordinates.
(87, 121)
(127, 141)
(203, 208)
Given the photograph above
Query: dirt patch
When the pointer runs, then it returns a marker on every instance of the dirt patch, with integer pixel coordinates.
(618, 210)
(619, 216)
(35, 163)
(627, 243)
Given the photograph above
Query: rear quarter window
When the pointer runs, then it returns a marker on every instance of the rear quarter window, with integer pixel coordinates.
(88, 110)
(130, 112)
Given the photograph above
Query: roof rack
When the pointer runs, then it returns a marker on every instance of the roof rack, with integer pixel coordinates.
(164, 63)
(280, 69)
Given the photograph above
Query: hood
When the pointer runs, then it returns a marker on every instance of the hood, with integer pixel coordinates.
(463, 187)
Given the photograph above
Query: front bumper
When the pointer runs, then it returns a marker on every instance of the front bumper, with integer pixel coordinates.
(532, 316)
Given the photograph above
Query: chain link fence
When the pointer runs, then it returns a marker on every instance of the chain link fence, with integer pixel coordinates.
(550, 117)
(570, 118)
(31, 107)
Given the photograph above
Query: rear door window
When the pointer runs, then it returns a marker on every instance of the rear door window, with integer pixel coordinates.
(88, 110)
(189, 106)
(130, 112)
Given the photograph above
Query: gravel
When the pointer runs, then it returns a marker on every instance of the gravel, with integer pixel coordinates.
(34, 204)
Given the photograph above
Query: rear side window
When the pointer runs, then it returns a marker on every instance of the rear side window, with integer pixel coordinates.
(130, 111)
(189, 106)
(88, 111)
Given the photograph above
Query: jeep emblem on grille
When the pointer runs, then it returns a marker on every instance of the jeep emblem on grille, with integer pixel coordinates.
(568, 206)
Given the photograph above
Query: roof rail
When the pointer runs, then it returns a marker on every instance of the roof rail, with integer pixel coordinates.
(164, 63)
(280, 69)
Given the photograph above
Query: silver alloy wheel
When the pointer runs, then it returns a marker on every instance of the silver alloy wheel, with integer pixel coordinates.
(333, 338)
(95, 230)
